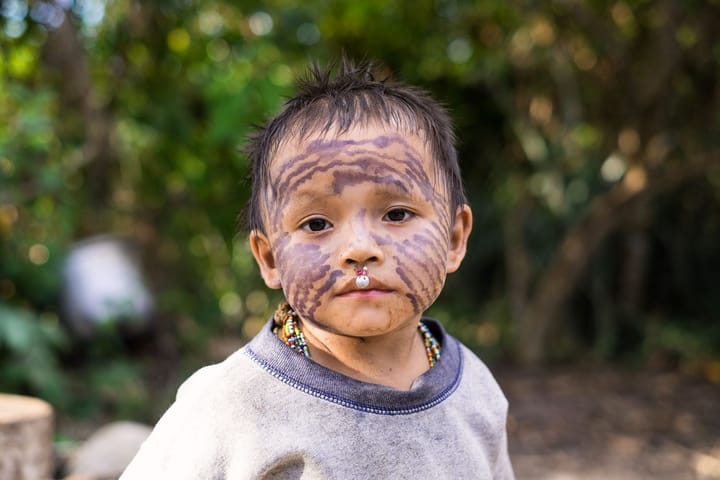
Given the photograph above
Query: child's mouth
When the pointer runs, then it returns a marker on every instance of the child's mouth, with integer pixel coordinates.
(365, 293)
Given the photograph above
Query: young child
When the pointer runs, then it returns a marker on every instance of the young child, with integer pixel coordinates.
(358, 214)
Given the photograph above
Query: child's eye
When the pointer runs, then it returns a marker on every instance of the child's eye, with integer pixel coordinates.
(397, 215)
(316, 225)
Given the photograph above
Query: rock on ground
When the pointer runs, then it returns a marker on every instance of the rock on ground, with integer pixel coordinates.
(106, 453)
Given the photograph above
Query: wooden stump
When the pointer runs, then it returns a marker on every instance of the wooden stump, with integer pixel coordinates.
(26, 429)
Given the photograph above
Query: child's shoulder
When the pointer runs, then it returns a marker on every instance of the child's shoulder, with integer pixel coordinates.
(228, 373)
(474, 375)
(188, 439)
(474, 365)
(478, 373)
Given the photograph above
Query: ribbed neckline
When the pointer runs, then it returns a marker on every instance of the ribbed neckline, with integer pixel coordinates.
(288, 366)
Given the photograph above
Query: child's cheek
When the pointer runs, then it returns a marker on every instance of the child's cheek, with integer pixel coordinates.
(419, 264)
(306, 275)
(422, 269)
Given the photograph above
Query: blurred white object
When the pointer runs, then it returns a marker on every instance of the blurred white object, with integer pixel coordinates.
(102, 284)
(108, 451)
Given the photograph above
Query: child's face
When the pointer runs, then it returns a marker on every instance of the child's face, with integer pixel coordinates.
(370, 197)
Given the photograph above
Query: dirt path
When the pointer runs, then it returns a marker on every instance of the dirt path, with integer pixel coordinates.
(584, 424)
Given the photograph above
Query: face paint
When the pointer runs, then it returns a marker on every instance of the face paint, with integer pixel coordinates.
(367, 198)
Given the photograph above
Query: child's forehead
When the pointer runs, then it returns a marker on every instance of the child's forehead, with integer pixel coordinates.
(396, 164)
(378, 144)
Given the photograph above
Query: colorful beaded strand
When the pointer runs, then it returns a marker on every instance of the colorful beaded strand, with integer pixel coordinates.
(286, 325)
(288, 329)
(432, 347)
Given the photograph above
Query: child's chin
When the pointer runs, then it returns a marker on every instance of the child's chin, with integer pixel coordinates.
(371, 320)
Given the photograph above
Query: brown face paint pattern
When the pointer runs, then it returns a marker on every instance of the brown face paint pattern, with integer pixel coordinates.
(309, 268)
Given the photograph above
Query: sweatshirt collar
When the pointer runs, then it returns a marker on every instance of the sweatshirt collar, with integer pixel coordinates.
(289, 367)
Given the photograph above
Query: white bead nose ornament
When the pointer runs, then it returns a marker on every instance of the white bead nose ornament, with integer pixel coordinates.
(362, 280)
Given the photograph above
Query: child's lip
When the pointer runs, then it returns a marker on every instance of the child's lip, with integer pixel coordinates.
(376, 287)
(364, 293)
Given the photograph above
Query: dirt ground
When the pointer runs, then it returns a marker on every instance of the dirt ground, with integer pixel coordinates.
(569, 424)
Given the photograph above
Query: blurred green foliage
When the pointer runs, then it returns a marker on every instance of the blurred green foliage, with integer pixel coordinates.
(30, 345)
(128, 117)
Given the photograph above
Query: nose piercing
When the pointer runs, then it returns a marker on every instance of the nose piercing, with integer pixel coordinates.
(362, 280)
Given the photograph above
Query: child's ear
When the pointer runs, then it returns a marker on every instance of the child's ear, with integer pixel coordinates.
(459, 234)
(260, 248)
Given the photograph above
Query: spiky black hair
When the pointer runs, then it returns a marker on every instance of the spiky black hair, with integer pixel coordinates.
(352, 97)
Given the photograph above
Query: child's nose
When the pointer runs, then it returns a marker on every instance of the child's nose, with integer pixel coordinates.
(361, 246)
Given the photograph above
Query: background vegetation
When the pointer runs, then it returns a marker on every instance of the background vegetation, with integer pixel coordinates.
(589, 135)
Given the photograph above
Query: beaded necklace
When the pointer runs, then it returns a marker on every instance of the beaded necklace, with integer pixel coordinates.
(288, 329)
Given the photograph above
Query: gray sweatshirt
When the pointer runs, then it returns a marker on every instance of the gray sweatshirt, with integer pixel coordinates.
(268, 412)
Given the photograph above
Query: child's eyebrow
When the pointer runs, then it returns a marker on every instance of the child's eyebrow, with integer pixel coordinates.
(318, 192)
(384, 191)
(393, 190)
(300, 200)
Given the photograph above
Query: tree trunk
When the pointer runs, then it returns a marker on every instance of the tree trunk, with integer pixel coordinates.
(636, 253)
(65, 57)
(26, 429)
(517, 261)
(560, 279)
